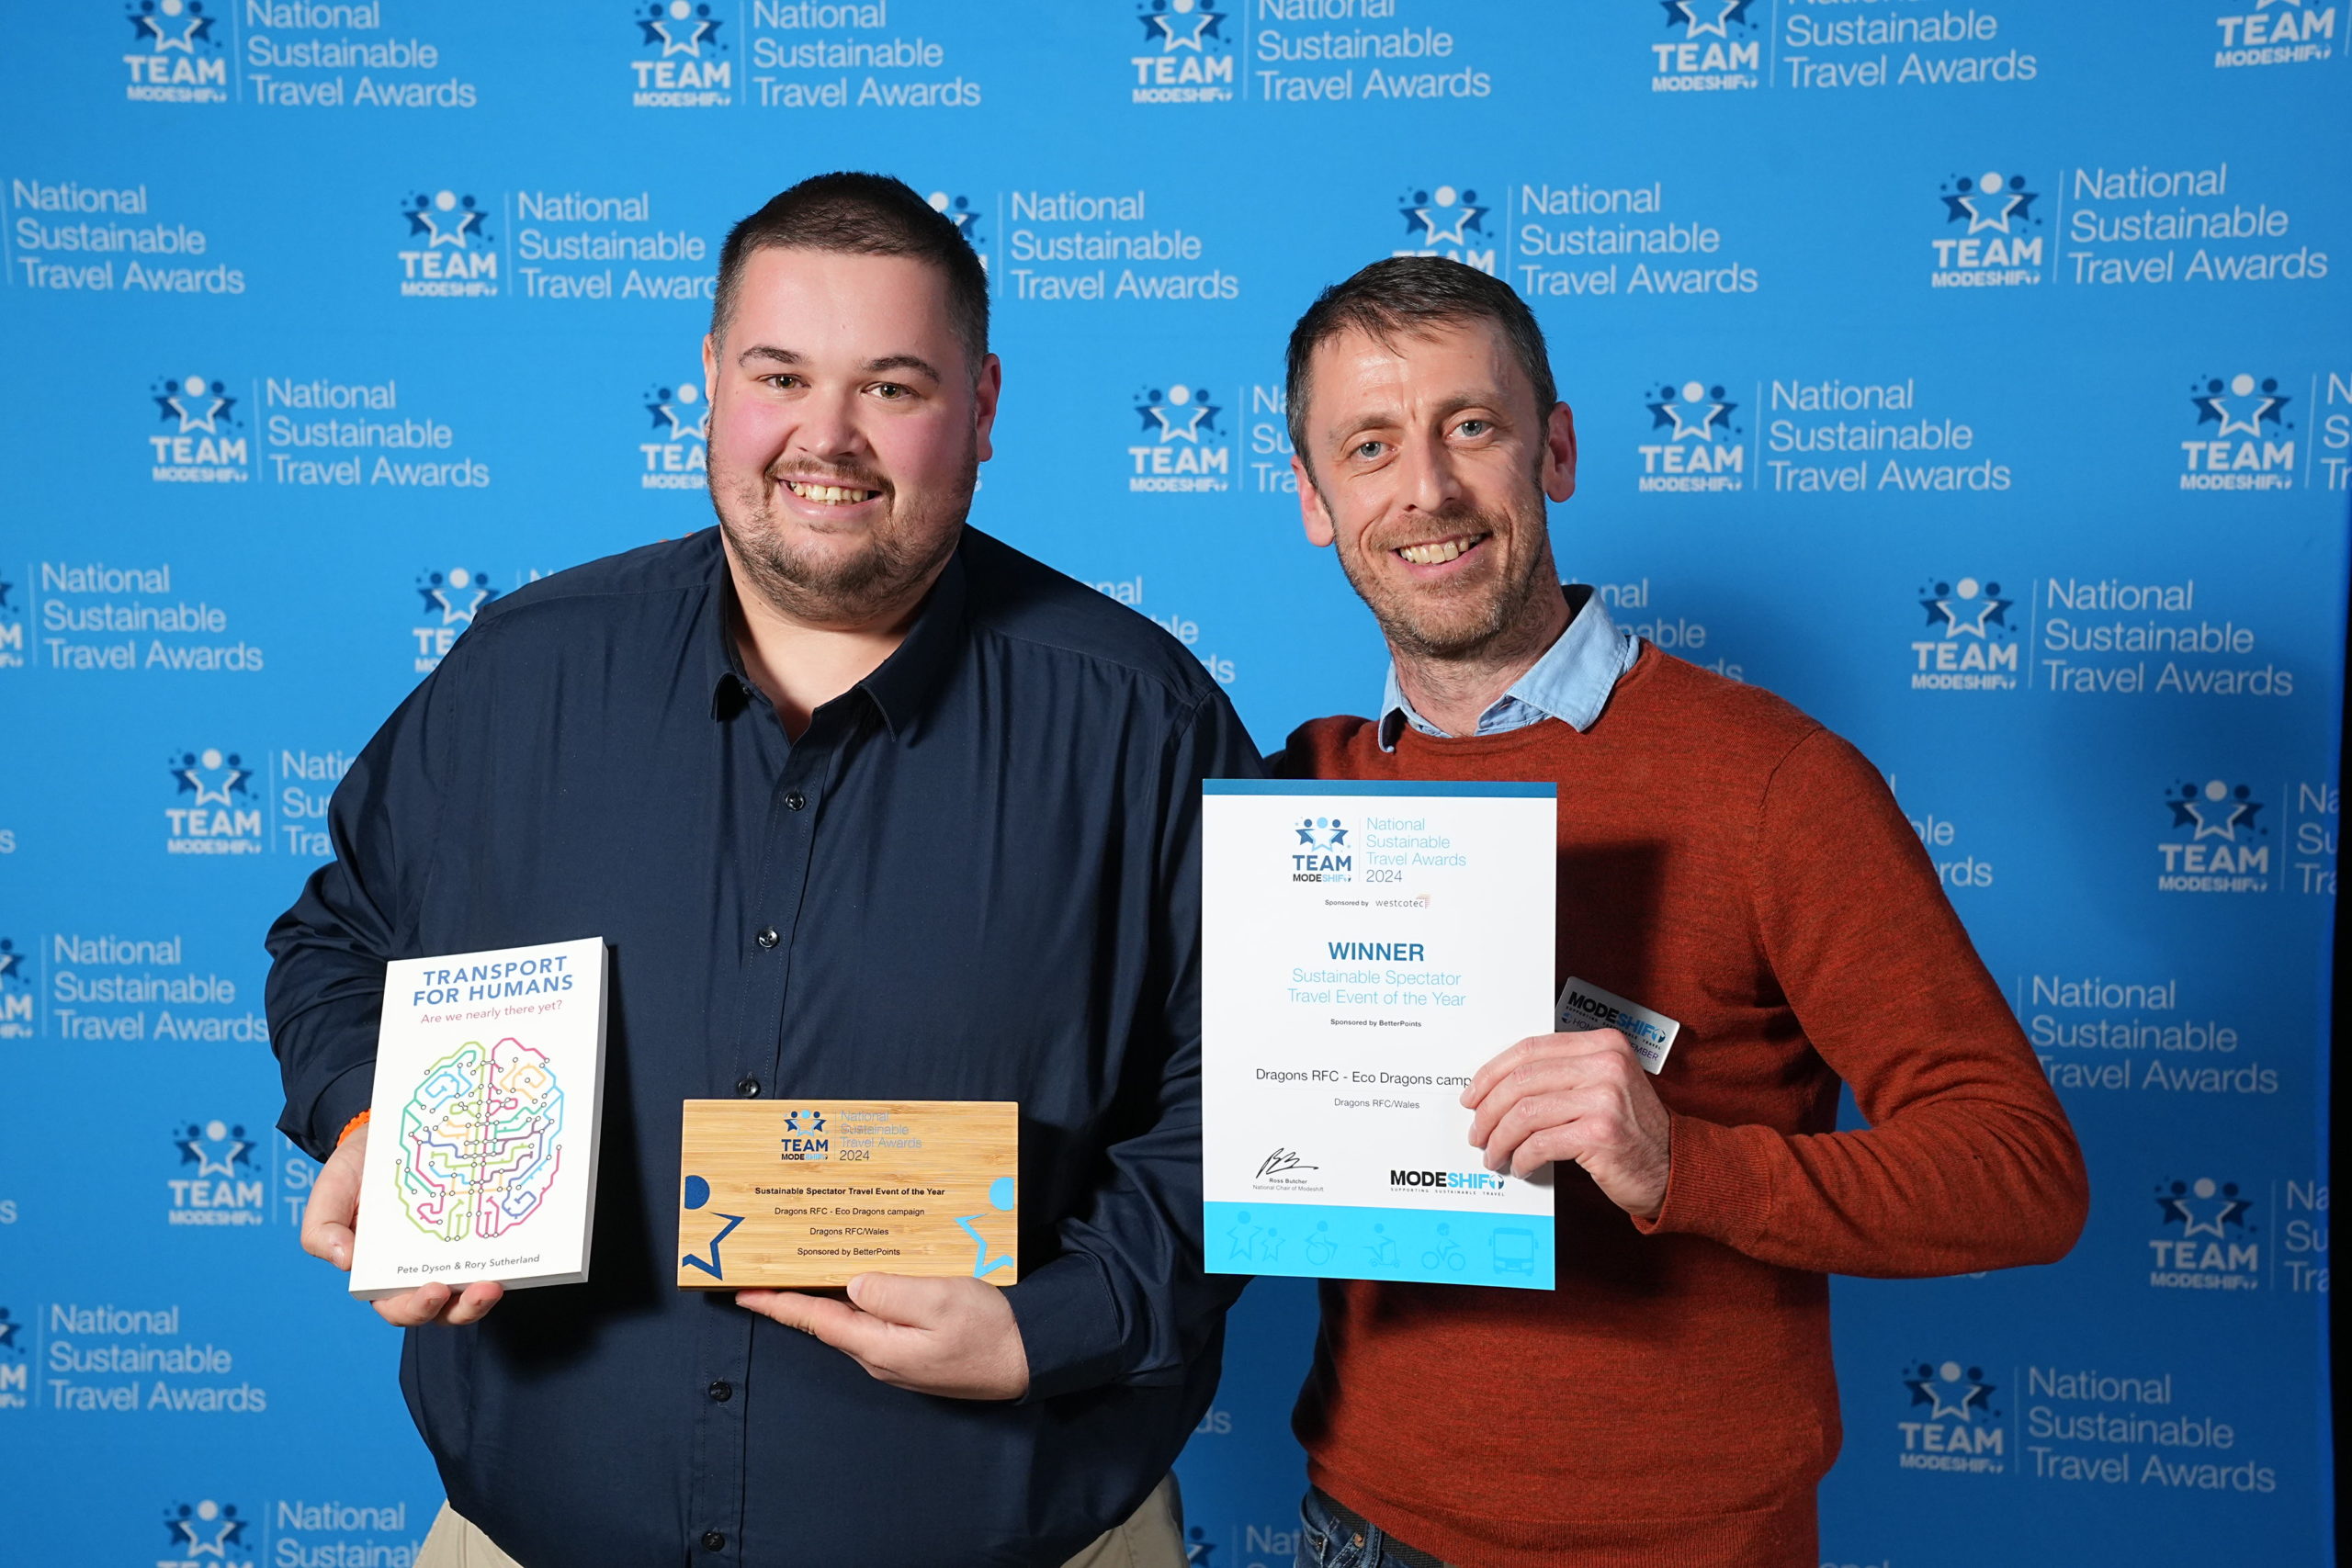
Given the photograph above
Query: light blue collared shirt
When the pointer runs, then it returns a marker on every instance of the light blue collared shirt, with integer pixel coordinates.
(1571, 682)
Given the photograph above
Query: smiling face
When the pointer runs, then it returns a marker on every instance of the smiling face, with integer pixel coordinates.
(847, 430)
(1426, 461)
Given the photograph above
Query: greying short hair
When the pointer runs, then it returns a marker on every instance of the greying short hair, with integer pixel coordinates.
(1408, 294)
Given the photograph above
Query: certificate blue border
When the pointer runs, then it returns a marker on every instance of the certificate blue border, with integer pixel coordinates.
(1331, 1241)
(1375, 786)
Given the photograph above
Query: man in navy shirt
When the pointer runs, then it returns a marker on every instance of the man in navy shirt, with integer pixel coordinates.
(868, 806)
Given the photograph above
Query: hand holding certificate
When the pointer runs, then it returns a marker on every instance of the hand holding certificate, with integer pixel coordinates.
(1367, 947)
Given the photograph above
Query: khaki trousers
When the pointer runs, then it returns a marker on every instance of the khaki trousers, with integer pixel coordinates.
(1153, 1537)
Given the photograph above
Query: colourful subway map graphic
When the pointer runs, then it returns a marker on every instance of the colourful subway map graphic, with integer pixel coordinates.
(478, 1141)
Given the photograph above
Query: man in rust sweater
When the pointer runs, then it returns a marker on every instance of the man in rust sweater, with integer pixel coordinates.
(1724, 861)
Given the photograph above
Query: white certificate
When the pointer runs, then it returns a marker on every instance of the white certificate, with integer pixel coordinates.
(1366, 947)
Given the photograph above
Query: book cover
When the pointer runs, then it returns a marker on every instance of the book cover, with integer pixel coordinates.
(482, 1133)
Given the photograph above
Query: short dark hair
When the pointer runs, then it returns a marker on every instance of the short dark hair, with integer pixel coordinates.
(867, 215)
(1410, 294)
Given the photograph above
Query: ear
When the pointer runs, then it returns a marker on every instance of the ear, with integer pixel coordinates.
(709, 366)
(985, 392)
(1560, 453)
(1312, 515)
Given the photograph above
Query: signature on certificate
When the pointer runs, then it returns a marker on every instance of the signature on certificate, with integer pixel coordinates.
(1281, 1160)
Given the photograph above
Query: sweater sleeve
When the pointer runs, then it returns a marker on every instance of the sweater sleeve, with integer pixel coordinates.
(1968, 1162)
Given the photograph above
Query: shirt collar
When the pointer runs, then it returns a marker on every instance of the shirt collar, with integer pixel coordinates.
(899, 688)
(1570, 682)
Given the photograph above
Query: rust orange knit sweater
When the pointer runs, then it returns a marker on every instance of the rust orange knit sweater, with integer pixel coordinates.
(1729, 862)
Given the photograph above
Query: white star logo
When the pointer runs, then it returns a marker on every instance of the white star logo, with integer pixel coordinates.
(1182, 26)
(206, 1165)
(162, 40)
(197, 405)
(2226, 827)
(691, 44)
(2240, 388)
(2204, 1196)
(695, 426)
(1694, 420)
(1967, 1396)
(454, 613)
(1991, 205)
(460, 225)
(210, 795)
(1185, 426)
(1462, 214)
(1693, 28)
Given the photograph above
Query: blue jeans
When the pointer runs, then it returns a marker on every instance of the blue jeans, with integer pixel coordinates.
(1324, 1542)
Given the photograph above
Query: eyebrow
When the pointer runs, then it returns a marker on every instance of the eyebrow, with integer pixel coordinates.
(1380, 419)
(768, 353)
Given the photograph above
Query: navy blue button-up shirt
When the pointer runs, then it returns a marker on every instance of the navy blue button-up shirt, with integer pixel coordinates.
(974, 877)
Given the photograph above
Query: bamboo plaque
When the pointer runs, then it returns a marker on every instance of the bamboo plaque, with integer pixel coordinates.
(813, 1192)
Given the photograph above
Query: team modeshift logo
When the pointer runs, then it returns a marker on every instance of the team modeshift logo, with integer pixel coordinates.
(2205, 1238)
(14, 1380)
(217, 1182)
(1187, 58)
(1952, 1424)
(681, 60)
(2250, 443)
(1184, 449)
(12, 628)
(958, 210)
(2212, 844)
(206, 1532)
(1969, 644)
(451, 600)
(1712, 47)
(174, 56)
(1700, 450)
(16, 993)
(446, 254)
(1320, 853)
(203, 440)
(214, 811)
(1443, 221)
(2274, 32)
(677, 455)
(1997, 245)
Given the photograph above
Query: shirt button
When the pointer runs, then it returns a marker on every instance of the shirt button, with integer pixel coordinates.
(795, 800)
(766, 936)
(722, 1391)
(746, 1088)
(713, 1541)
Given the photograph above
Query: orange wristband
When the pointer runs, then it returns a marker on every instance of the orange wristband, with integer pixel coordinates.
(350, 1127)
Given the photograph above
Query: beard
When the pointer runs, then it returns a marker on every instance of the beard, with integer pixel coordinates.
(1466, 619)
(822, 586)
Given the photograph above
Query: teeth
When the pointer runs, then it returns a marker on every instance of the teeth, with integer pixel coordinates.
(835, 494)
(1436, 554)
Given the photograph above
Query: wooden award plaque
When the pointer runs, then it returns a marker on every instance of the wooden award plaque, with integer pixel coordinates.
(813, 1192)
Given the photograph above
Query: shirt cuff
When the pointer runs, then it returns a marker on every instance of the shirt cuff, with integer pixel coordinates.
(1069, 1326)
(344, 1097)
(1717, 1184)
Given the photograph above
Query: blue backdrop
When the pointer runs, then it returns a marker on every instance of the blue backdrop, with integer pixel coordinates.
(1976, 374)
